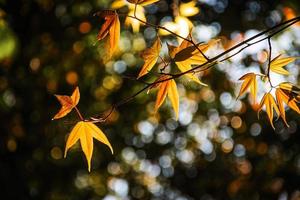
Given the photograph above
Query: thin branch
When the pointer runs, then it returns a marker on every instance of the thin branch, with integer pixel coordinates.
(287, 23)
(133, 78)
(269, 61)
(165, 64)
(196, 46)
(209, 63)
(171, 32)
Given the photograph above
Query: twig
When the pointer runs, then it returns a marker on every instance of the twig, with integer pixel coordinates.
(269, 62)
(211, 62)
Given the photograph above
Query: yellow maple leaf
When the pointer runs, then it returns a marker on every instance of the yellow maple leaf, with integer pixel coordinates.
(140, 13)
(111, 28)
(186, 55)
(289, 87)
(188, 9)
(249, 81)
(85, 132)
(278, 63)
(167, 88)
(129, 21)
(142, 2)
(67, 103)
(269, 101)
(150, 57)
(181, 24)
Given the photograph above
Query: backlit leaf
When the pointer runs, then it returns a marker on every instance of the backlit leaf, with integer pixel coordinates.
(186, 55)
(278, 63)
(188, 9)
(279, 97)
(249, 81)
(142, 2)
(289, 99)
(169, 88)
(173, 96)
(67, 103)
(140, 13)
(111, 28)
(270, 104)
(161, 94)
(85, 132)
(150, 57)
(289, 87)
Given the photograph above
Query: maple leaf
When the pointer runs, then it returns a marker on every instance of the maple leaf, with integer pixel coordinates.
(269, 101)
(67, 103)
(85, 132)
(181, 24)
(169, 88)
(186, 55)
(150, 57)
(137, 11)
(188, 9)
(249, 81)
(140, 13)
(111, 28)
(142, 2)
(289, 87)
(287, 93)
(278, 63)
(280, 97)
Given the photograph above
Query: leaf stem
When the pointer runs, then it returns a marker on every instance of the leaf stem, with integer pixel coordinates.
(79, 114)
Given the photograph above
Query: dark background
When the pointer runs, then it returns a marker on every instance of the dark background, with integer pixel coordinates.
(50, 50)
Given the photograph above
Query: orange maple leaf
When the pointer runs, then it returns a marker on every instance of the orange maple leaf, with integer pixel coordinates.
(111, 28)
(249, 81)
(67, 103)
(169, 88)
(150, 57)
(269, 101)
(287, 93)
(85, 132)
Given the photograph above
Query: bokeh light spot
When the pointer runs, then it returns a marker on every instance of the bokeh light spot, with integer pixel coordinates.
(56, 153)
(85, 27)
(72, 78)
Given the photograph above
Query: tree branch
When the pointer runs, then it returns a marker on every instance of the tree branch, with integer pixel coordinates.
(270, 32)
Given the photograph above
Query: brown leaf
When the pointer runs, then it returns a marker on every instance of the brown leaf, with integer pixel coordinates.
(186, 55)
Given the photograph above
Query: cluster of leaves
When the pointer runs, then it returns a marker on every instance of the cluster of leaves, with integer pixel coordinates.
(285, 92)
(185, 56)
(84, 131)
